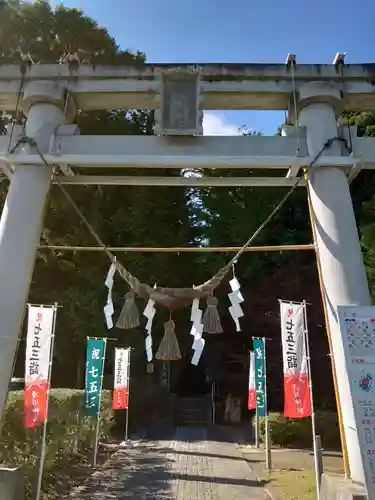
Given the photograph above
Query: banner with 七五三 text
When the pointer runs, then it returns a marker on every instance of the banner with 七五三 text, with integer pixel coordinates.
(37, 364)
(95, 353)
(121, 382)
(297, 400)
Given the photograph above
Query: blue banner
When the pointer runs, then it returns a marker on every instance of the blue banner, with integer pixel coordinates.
(95, 354)
(260, 377)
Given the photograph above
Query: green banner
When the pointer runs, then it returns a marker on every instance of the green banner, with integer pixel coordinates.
(95, 354)
(260, 377)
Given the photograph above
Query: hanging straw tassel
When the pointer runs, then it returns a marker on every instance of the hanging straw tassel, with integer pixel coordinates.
(129, 316)
(169, 349)
(211, 318)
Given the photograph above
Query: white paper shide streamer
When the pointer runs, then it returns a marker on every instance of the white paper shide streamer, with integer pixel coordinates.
(149, 312)
(108, 308)
(236, 299)
(196, 331)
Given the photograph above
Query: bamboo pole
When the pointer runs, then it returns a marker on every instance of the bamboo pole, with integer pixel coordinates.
(333, 367)
(270, 248)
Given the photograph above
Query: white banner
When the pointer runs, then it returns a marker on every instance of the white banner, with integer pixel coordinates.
(292, 338)
(252, 371)
(121, 370)
(38, 344)
(296, 379)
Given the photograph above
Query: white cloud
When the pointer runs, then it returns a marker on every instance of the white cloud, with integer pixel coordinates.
(214, 124)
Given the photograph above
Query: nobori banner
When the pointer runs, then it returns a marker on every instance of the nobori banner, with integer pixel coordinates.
(121, 382)
(260, 376)
(95, 355)
(37, 363)
(297, 399)
(251, 403)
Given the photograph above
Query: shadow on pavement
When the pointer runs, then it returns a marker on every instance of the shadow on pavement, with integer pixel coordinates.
(140, 474)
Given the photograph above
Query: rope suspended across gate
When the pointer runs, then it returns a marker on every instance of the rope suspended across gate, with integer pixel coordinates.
(174, 298)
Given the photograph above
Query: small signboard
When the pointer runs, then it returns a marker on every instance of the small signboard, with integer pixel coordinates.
(357, 325)
(179, 101)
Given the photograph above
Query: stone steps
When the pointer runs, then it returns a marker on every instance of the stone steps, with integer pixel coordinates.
(193, 411)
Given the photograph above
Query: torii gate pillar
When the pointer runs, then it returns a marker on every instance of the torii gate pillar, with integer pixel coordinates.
(337, 241)
(22, 218)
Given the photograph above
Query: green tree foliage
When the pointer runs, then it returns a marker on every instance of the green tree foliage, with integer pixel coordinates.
(49, 35)
(122, 216)
(363, 190)
(229, 216)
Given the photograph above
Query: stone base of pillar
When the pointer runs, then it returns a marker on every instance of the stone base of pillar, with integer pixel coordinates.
(11, 483)
(337, 487)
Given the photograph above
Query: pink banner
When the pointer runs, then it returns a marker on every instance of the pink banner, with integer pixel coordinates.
(297, 401)
(251, 404)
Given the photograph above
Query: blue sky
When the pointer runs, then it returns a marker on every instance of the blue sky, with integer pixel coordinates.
(239, 31)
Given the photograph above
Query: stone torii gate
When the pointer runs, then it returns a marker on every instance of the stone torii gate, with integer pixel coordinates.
(50, 96)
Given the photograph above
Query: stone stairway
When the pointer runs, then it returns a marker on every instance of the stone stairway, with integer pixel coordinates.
(193, 410)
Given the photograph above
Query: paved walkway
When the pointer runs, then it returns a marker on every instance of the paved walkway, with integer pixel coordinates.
(194, 464)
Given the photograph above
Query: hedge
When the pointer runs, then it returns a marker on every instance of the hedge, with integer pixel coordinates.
(296, 433)
(69, 433)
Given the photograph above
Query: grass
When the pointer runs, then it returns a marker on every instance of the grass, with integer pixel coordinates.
(290, 485)
(293, 474)
(69, 443)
